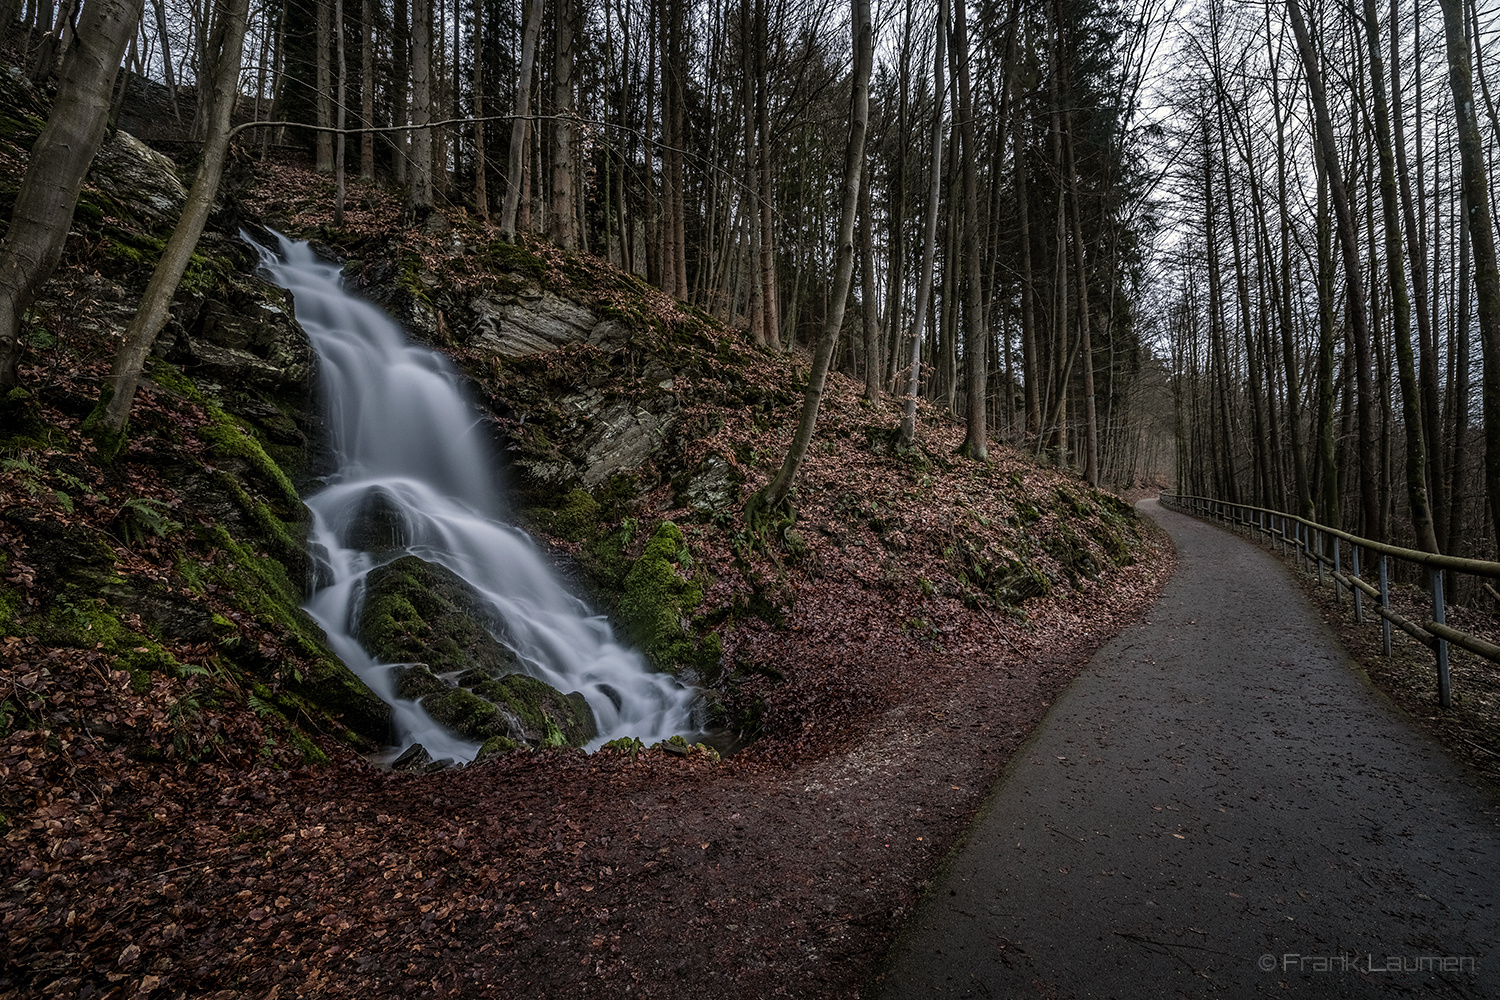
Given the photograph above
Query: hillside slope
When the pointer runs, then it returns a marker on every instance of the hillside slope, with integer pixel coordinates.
(185, 805)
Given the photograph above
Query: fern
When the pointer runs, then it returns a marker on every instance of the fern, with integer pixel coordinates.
(144, 517)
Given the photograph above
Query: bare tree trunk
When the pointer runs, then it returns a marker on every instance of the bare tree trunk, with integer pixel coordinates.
(976, 337)
(323, 102)
(222, 66)
(1481, 241)
(874, 360)
(59, 160)
(1353, 279)
(767, 188)
(776, 492)
(1086, 342)
(929, 238)
(751, 193)
(481, 182)
(367, 89)
(166, 57)
(419, 171)
(1416, 252)
(339, 114)
(564, 229)
(530, 28)
(401, 72)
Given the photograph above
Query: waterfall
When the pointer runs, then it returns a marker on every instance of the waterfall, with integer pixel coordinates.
(404, 438)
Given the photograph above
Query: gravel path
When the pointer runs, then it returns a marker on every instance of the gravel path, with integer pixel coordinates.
(1220, 805)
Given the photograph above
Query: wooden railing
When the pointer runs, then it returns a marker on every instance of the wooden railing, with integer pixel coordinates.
(1311, 543)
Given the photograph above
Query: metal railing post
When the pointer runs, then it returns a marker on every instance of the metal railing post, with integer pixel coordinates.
(1359, 594)
(1445, 692)
(1385, 602)
(1338, 570)
(1318, 554)
(1282, 518)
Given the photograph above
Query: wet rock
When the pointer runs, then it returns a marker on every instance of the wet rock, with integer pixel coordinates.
(413, 758)
(544, 716)
(378, 526)
(624, 436)
(441, 764)
(467, 715)
(417, 681)
(419, 612)
(138, 178)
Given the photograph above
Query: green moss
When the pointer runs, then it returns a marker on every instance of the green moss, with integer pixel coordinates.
(497, 746)
(577, 518)
(547, 716)
(261, 586)
(230, 437)
(82, 621)
(466, 714)
(418, 612)
(502, 256)
(656, 600)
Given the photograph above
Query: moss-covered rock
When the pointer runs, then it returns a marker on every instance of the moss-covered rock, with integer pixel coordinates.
(419, 612)
(517, 708)
(464, 713)
(417, 681)
(657, 600)
(497, 746)
(546, 716)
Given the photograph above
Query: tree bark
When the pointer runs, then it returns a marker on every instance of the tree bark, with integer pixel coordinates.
(339, 114)
(481, 169)
(323, 99)
(59, 161)
(564, 229)
(775, 493)
(874, 359)
(419, 171)
(367, 89)
(1411, 415)
(768, 281)
(155, 304)
(976, 338)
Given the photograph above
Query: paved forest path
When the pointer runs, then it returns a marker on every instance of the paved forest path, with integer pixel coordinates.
(1219, 805)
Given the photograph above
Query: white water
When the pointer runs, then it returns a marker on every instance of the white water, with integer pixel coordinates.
(402, 431)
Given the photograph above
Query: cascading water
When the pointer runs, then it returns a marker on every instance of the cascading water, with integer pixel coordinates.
(404, 439)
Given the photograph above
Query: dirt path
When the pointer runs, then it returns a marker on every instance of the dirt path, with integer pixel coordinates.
(1219, 805)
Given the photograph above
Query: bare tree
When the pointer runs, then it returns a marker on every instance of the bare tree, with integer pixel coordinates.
(929, 238)
(60, 159)
(775, 494)
(223, 75)
(530, 28)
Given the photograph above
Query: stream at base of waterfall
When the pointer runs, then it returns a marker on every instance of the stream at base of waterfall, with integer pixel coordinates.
(404, 439)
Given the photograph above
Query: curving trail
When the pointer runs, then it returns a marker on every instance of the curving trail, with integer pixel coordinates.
(1219, 805)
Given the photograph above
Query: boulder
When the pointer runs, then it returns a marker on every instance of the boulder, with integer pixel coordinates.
(544, 715)
(413, 758)
(417, 681)
(140, 180)
(419, 612)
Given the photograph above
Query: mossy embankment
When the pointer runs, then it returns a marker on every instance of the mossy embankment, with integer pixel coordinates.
(151, 599)
(634, 427)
